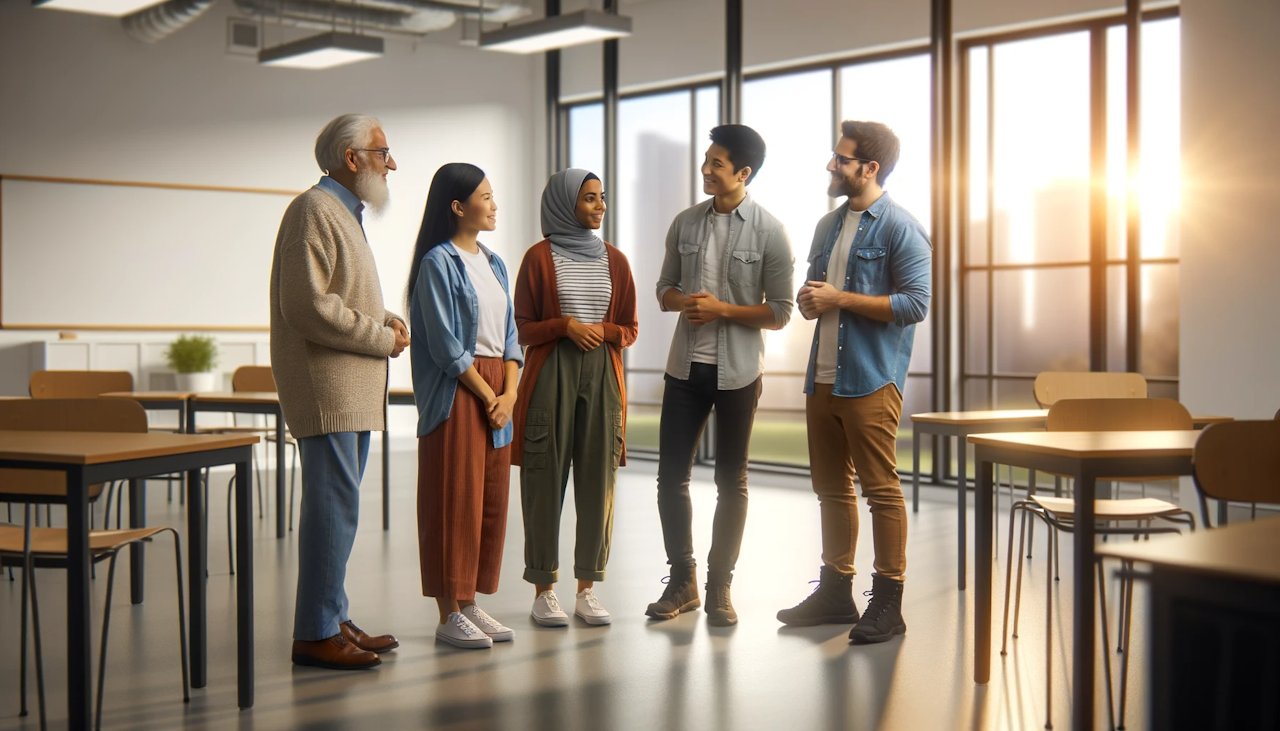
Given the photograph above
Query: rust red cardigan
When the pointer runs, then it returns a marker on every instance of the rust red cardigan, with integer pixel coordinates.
(541, 326)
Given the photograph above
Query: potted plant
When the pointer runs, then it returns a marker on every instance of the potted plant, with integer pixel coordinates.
(192, 358)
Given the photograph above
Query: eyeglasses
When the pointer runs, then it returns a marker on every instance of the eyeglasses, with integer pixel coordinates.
(384, 152)
(846, 160)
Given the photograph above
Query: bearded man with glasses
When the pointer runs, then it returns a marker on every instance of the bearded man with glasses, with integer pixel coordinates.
(868, 284)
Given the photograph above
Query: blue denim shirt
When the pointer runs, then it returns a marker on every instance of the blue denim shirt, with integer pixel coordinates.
(444, 314)
(348, 198)
(890, 255)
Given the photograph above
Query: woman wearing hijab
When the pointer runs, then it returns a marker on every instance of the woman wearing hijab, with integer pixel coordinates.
(575, 310)
(465, 362)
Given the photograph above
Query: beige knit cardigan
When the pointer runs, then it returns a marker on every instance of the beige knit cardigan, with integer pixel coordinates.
(330, 334)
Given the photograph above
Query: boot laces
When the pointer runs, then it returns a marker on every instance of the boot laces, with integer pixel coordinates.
(672, 589)
(719, 595)
(876, 605)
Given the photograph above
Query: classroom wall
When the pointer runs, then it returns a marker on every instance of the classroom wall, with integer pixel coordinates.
(82, 99)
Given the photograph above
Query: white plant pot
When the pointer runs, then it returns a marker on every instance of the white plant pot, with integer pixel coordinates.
(197, 382)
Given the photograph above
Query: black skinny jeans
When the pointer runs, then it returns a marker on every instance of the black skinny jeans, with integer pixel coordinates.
(686, 405)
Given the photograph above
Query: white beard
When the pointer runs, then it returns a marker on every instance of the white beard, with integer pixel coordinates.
(372, 189)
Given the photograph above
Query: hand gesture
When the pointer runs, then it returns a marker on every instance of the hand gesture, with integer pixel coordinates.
(703, 308)
(500, 408)
(586, 337)
(817, 298)
(402, 338)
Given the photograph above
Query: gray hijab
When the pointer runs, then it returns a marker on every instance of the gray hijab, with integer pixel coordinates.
(569, 238)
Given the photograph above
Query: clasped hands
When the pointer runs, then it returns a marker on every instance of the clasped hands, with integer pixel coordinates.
(817, 298)
(499, 408)
(586, 337)
(402, 338)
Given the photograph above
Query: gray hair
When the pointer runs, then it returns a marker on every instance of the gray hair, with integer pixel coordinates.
(346, 132)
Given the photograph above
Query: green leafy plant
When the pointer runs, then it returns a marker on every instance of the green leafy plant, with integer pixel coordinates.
(192, 354)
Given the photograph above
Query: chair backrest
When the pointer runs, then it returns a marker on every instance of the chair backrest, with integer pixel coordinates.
(89, 414)
(253, 378)
(1053, 386)
(1119, 414)
(1238, 461)
(78, 384)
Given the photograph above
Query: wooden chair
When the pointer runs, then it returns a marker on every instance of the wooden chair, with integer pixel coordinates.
(1119, 517)
(30, 547)
(78, 384)
(1238, 461)
(1053, 386)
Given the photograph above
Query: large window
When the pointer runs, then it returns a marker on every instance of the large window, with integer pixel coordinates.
(1035, 230)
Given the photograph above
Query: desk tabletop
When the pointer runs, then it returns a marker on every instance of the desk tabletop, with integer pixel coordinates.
(238, 397)
(1239, 550)
(400, 391)
(87, 448)
(149, 395)
(999, 416)
(1095, 445)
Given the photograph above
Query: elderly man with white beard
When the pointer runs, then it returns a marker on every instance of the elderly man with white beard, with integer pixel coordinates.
(330, 340)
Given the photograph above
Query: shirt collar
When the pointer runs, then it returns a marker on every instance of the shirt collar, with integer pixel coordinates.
(743, 211)
(347, 198)
(875, 210)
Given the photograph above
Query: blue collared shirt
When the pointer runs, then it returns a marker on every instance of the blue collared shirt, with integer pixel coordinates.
(890, 255)
(348, 198)
(444, 314)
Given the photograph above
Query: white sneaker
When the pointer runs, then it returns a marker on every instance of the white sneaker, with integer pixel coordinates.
(487, 624)
(458, 631)
(547, 612)
(589, 608)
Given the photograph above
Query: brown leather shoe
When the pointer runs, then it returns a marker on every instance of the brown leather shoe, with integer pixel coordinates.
(335, 653)
(357, 637)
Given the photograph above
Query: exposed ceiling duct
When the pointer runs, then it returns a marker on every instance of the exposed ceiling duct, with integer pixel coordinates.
(160, 21)
(413, 17)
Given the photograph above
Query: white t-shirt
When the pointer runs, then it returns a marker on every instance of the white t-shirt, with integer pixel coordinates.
(491, 331)
(706, 337)
(829, 323)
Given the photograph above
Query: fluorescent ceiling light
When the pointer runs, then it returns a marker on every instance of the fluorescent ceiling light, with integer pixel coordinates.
(557, 31)
(97, 7)
(323, 51)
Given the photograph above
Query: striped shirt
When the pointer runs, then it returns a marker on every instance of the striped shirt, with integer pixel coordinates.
(584, 287)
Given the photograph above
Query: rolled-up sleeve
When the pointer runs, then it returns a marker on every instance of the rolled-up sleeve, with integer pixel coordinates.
(779, 276)
(911, 268)
(438, 305)
(669, 276)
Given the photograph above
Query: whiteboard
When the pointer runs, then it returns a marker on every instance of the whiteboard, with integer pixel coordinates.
(104, 255)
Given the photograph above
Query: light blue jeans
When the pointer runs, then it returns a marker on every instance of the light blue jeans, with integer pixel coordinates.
(332, 467)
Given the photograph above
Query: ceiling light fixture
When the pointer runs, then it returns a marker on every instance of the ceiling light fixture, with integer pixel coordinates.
(115, 8)
(557, 31)
(322, 51)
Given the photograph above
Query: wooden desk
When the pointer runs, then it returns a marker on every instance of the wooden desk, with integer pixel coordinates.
(1214, 616)
(960, 425)
(89, 458)
(395, 397)
(249, 402)
(1088, 457)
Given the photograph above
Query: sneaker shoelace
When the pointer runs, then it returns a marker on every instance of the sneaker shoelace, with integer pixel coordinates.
(465, 625)
(592, 601)
(552, 602)
(482, 617)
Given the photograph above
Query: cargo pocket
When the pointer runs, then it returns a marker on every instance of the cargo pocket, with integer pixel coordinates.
(537, 437)
(615, 421)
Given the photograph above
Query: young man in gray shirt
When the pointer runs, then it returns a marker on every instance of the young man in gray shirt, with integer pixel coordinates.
(728, 273)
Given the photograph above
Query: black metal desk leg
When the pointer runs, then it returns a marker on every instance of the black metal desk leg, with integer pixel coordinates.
(386, 481)
(962, 488)
(1082, 574)
(137, 519)
(281, 500)
(197, 582)
(244, 585)
(79, 686)
(982, 571)
(915, 468)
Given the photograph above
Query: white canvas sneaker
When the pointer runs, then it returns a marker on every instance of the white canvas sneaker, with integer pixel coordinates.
(547, 612)
(460, 632)
(487, 624)
(589, 608)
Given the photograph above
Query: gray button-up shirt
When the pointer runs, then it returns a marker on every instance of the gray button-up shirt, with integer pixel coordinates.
(757, 268)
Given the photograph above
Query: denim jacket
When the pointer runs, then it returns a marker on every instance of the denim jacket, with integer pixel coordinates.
(891, 255)
(444, 314)
(757, 267)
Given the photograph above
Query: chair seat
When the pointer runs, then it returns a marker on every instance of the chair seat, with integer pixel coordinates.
(54, 540)
(1130, 509)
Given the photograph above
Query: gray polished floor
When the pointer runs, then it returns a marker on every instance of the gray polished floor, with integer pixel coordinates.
(635, 674)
